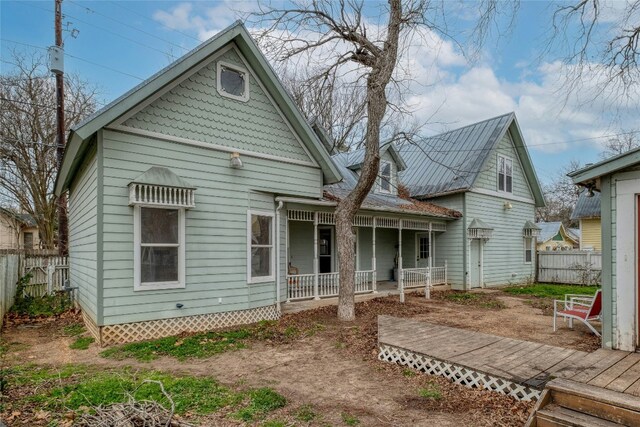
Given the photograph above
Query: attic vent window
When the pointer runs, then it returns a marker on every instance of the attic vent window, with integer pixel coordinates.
(233, 82)
(385, 177)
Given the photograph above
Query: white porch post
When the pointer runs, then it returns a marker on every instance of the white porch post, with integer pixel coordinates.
(373, 258)
(400, 282)
(316, 266)
(445, 272)
(287, 257)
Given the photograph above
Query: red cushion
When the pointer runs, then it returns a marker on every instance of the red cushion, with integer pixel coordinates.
(576, 313)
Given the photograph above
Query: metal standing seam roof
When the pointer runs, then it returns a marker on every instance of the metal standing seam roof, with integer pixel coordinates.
(376, 200)
(550, 229)
(451, 161)
(587, 207)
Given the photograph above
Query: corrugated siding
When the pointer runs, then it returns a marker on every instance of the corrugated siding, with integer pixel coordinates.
(448, 245)
(195, 110)
(216, 229)
(504, 252)
(591, 234)
(488, 178)
(83, 246)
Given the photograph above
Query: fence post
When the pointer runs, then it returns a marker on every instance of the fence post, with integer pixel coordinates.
(588, 268)
(445, 272)
(51, 269)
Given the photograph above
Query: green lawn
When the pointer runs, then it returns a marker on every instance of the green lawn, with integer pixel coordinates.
(546, 290)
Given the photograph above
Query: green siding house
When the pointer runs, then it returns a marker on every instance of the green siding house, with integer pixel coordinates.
(618, 181)
(202, 198)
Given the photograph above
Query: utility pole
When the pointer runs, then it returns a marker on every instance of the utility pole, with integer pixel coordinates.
(63, 225)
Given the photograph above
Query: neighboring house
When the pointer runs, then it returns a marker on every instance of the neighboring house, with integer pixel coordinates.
(618, 181)
(587, 211)
(18, 231)
(554, 236)
(484, 171)
(202, 198)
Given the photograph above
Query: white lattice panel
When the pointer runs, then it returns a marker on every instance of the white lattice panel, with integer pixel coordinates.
(457, 374)
(129, 332)
(295, 215)
(91, 326)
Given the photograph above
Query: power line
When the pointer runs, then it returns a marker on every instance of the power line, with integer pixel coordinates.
(155, 22)
(78, 58)
(127, 25)
(66, 15)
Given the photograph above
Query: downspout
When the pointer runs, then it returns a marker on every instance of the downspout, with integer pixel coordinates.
(280, 205)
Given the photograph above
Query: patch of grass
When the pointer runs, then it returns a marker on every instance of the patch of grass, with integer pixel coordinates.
(481, 300)
(261, 402)
(432, 391)
(306, 414)
(409, 373)
(274, 423)
(6, 347)
(349, 419)
(542, 290)
(81, 343)
(74, 330)
(182, 348)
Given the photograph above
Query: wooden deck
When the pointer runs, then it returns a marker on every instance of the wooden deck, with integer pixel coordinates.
(522, 362)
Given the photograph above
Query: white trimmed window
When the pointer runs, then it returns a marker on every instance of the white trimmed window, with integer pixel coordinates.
(528, 250)
(159, 251)
(232, 81)
(384, 177)
(505, 174)
(260, 259)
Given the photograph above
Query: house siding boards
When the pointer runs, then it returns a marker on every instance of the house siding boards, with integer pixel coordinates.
(195, 110)
(449, 245)
(591, 234)
(488, 177)
(216, 229)
(503, 257)
(83, 235)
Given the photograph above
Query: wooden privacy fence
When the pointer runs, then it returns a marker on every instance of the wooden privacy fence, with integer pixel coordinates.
(48, 274)
(9, 274)
(570, 267)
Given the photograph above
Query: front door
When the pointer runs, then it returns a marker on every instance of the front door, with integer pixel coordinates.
(423, 250)
(475, 261)
(325, 249)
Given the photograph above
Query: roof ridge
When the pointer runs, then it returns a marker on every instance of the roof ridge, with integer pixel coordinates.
(473, 124)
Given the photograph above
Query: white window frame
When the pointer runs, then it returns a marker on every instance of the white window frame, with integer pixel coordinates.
(380, 178)
(244, 72)
(528, 247)
(506, 159)
(137, 251)
(272, 277)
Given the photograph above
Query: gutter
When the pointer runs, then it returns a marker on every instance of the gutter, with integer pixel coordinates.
(316, 202)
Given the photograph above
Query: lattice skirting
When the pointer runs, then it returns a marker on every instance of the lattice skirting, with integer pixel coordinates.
(91, 326)
(456, 373)
(129, 332)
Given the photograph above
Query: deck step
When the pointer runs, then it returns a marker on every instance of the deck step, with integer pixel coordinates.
(556, 416)
(566, 403)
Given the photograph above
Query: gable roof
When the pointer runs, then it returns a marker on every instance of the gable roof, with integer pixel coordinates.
(587, 207)
(77, 142)
(376, 201)
(355, 158)
(606, 167)
(452, 161)
(23, 218)
(549, 229)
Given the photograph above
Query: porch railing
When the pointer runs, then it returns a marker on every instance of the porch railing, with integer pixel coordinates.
(424, 277)
(301, 286)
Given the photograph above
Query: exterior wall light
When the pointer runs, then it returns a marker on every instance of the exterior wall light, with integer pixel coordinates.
(235, 161)
(507, 205)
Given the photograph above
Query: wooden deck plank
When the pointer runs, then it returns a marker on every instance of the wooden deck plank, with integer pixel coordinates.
(521, 361)
(614, 371)
(626, 379)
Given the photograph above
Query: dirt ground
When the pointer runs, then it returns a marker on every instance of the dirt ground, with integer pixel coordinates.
(336, 369)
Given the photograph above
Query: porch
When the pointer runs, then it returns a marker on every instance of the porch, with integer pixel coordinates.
(381, 242)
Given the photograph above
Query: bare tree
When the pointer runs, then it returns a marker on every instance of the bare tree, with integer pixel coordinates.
(28, 136)
(349, 42)
(601, 44)
(561, 195)
(619, 144)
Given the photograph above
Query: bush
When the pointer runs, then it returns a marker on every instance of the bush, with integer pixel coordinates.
(47, 305)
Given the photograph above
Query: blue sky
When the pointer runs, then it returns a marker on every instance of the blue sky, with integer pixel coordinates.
(120, 43)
